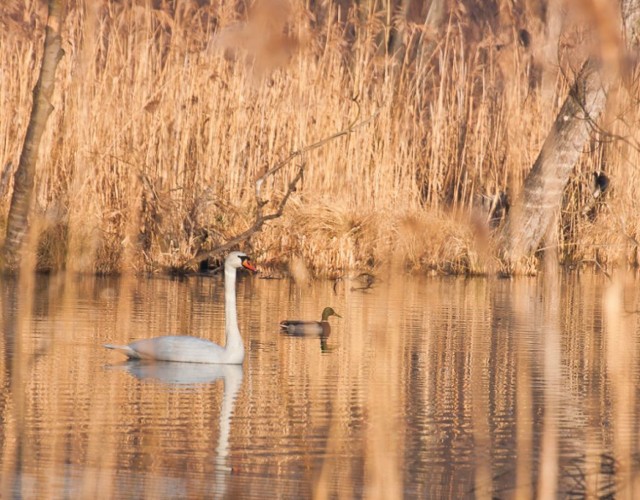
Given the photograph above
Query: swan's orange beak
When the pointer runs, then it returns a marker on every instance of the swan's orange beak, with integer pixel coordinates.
(246, 263)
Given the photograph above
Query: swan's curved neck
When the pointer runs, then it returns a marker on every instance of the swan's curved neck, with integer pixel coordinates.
(233, 346)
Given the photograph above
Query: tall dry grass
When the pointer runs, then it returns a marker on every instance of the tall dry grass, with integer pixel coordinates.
(165, 116)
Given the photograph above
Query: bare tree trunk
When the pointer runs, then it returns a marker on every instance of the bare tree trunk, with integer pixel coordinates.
(631, 21)
(396, 21)
(543, 188)
(17, 223)
(542, 194)
(436, 16)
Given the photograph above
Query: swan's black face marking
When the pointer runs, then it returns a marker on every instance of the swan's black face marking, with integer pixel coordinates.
(246, 263)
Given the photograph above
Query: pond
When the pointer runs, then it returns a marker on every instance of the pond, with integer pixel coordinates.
(426, 388)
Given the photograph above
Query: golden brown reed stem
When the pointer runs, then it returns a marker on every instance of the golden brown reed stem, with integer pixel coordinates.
(383, 448)
(549, 455)
(523, 308)
(620, 369)
(483, 485)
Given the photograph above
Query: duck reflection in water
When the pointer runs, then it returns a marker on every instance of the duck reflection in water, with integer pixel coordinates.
(193, 374)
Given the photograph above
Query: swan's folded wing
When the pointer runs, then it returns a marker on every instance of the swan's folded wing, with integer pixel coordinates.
(179, 348)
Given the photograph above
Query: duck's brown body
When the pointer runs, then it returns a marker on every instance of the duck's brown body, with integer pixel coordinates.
(306, 328)
(298, 328)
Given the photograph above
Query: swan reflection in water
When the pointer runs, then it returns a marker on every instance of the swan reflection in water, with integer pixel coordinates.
(191, 375)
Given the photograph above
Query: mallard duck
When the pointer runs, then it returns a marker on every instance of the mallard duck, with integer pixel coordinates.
(310, 328)
(187, 349)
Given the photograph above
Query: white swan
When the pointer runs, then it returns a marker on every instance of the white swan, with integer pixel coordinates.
(188, 349)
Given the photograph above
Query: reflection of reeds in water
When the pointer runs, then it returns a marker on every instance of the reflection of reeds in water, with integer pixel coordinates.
(383, 446)
(20, 358)
(552, 366)
(522, 303)
(480, 404)
(58, 438)
(371, 387)
(430, 389)
(621, 364)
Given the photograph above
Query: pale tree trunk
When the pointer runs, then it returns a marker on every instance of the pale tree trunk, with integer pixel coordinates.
(17, 223)
(631, 21)
(435, 20)
(436, 14)
(541, 197)
(396, 21)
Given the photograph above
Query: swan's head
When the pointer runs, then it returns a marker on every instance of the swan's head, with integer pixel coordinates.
(236, 260)
(328, 311)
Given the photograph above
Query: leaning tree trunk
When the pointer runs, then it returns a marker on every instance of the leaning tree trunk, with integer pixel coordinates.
(17, 223)
(543, 188)
(541, 197)
(435, 20)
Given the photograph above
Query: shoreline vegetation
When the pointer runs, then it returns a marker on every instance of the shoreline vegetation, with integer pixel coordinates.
(165, 116)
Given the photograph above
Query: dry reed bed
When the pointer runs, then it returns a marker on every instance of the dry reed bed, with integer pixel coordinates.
(164, 119)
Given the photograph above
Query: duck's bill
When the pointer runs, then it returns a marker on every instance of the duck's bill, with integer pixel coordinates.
(248, 265)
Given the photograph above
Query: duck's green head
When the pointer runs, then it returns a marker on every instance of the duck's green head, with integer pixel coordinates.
(328, 311)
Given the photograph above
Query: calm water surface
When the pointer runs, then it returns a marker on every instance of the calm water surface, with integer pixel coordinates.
(426, 388)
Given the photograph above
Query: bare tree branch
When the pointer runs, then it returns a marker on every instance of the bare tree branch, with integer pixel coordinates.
(260, 217)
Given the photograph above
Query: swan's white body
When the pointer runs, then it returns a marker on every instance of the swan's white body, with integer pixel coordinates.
(186, 349)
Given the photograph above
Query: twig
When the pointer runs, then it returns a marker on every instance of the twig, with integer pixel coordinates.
(257, 224)
(260, 217)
